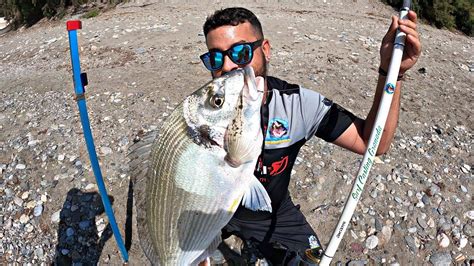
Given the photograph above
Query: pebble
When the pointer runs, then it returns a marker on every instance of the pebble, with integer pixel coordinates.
(20, 166)
(38, 210)
(422, 222)
(18, 201)
(441, 259)
(412, 230)
(55, 217)
(84, 225)
(31, 204)
(39, 252)
(468, 230)
(357, 263)
(443, 240)
(69, 231)
(90, 186)
(462, 242)
(465, 168)
(25, 195)
(411, 242)
(105, 150)
(391, 213)
(386, 234)
(24, 218)
(8, 192)
(425, 199)
(433, 190)
(456, 221)
(431, 222)
(469, 215)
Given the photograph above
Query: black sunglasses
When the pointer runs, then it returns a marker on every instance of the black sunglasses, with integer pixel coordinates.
(239, 53)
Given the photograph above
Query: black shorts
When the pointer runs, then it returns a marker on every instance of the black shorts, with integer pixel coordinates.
(280, 239)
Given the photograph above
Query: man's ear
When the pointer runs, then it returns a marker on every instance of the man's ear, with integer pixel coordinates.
(266, 47)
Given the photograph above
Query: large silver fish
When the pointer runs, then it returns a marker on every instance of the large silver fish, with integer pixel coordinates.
(191, 179)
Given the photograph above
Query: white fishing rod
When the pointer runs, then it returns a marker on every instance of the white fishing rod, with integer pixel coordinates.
(373, 144)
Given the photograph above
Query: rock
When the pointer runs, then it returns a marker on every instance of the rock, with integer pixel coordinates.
(105, 151)
(411, 242)
(30, 204)
(386, 235)
(462, 242)
(469, 215)
(84, 225)
(422, 222)
(433, 190)
(443, 240)
(20, 166)
(441, 259)
(25, 195)
(55, 217)
(456, 221)
(24, 218)
(69, 231)
(425, 199)
(39, 252)
(357, 247)
(357, 263)
(74, 208)
(91, 186)
(38, 210)
(64, 251)
(468, 230)
(18, 201)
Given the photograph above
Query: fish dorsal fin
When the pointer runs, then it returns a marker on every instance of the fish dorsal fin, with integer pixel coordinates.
(256, 197)
(139, 157)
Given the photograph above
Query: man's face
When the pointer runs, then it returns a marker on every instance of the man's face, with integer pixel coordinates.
(224, 37)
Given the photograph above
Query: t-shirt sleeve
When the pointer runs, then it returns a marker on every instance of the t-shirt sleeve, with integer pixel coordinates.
(322, 117)
(334, 123)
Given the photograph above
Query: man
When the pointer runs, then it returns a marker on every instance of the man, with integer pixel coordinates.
(291, 115)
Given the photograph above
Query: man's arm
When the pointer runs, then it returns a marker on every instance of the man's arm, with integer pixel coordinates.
(356, 136)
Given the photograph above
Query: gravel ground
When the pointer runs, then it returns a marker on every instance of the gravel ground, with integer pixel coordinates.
(142, 59)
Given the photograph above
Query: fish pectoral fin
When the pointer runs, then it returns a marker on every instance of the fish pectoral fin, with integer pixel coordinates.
(256, 197)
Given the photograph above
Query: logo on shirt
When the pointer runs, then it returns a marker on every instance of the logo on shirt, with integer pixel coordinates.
(279, 166)
(390, 88)
(277, 132)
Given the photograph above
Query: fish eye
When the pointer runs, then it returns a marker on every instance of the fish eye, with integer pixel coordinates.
(217, 101)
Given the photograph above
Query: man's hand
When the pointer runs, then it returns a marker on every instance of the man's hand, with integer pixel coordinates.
(412, 43)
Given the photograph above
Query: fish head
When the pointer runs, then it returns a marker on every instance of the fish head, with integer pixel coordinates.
(221, 106)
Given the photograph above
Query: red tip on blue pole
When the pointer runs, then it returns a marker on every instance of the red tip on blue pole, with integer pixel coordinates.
(74, 25)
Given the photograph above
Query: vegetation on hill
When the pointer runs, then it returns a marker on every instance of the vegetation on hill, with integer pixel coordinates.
(451, 14)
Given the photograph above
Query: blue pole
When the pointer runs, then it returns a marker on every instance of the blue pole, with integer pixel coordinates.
(72, 27)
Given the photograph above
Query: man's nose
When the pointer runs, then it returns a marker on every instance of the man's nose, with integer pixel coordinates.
(228, 65)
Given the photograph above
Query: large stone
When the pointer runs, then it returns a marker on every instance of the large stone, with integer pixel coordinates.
(441, 259)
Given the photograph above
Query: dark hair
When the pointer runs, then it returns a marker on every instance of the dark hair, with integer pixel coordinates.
(232, 16)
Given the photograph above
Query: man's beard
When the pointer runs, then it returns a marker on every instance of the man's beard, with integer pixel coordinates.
(262, 71)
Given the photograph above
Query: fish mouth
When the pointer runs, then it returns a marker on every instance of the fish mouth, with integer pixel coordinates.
(240, 141)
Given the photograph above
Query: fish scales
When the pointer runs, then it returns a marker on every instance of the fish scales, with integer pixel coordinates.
(167, 212)
(185, 190)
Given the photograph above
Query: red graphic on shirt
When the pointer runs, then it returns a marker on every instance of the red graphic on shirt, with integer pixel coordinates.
(279, 166)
